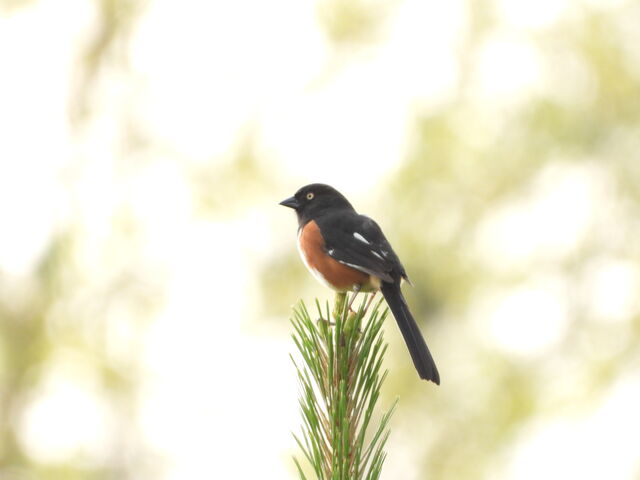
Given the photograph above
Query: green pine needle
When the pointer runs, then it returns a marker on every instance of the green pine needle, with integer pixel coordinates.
(340, 375)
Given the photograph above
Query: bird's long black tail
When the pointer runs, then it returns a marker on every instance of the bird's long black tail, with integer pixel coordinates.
(418, 349)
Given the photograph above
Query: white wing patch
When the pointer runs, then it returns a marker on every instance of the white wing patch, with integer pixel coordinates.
(377, 255)
(357, 236)
(352, 265)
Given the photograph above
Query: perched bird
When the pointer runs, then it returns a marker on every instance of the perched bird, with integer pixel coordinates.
(348, 252)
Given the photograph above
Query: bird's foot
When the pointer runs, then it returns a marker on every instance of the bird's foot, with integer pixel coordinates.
(325, 321)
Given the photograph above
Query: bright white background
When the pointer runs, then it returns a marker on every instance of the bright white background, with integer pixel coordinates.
(199, 78)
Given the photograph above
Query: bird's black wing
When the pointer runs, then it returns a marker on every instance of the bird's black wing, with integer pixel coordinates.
(357, 241)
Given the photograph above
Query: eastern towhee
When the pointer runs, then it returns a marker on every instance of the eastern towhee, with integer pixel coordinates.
(348, 251)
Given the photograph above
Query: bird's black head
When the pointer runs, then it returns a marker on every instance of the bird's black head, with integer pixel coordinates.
(314, 200)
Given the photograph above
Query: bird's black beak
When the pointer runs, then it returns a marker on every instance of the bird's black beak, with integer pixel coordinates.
(291, 202)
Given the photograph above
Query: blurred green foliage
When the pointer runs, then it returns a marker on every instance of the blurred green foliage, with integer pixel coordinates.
(466, 160)
(449, 184)
(353, 22)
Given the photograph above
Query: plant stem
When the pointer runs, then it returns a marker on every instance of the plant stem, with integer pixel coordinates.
(340, 375)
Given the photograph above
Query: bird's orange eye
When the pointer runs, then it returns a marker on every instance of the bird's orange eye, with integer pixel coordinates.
(309, 196)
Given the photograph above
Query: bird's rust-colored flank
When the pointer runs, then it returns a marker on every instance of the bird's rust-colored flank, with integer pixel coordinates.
(339, 276)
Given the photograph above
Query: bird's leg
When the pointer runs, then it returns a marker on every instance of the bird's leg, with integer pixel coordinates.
(352, 316)
(356, 290)
(366, 308)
